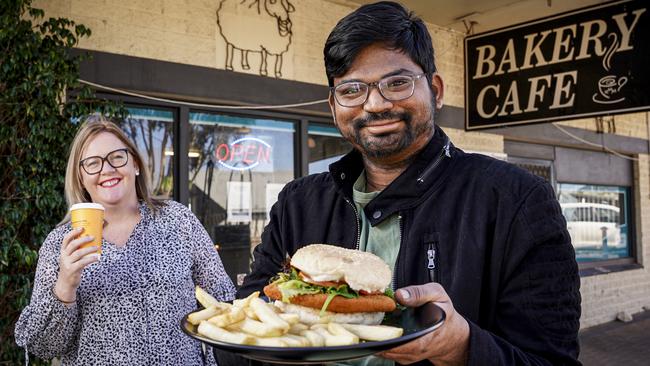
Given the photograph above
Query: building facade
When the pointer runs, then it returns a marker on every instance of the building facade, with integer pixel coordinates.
(227, 103)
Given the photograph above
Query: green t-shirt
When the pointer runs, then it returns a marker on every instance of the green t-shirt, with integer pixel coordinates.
(383, 240)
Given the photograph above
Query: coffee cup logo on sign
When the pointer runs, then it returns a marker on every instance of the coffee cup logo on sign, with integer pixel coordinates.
(609, 86)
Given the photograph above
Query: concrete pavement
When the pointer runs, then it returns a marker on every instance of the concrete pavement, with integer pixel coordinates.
(617, 343)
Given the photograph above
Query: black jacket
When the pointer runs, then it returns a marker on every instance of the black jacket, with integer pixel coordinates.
(502, 251)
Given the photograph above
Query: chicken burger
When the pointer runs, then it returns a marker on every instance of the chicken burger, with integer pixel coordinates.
(342, 285)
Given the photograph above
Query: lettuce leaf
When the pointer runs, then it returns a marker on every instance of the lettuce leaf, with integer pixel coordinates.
(390, 293)
(290, 285)
(293, 288)
(329, 299)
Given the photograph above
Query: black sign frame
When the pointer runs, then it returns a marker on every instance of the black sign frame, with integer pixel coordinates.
(588, 62)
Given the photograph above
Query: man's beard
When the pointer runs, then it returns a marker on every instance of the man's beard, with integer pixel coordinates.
(379, 146)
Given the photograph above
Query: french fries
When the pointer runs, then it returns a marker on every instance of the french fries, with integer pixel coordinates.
(257, 328)
(295, 341)
(314, 337)
(331, 340)
(251, 321)
(250, 313)
(342, 334)
(244, 303)
(219, 334)
(266, 314)
(374, 332)
(290, 318)
(270, 342)
(205, 314)
(233, 316)
(205, 299)
(298, 328)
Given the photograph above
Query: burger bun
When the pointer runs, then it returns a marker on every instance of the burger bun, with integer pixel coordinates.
(360, 270)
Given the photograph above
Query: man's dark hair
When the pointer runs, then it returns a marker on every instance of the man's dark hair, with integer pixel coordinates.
(383, 22)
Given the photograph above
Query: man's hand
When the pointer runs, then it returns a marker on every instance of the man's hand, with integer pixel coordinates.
(448, 345)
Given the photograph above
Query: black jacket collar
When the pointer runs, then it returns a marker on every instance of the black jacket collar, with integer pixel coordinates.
(424, 173)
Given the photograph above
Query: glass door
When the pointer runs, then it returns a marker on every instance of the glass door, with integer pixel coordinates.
(238, 165)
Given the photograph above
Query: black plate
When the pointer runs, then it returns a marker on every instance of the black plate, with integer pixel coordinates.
(415, 321)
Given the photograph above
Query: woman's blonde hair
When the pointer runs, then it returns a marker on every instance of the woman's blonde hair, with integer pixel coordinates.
(74, 189)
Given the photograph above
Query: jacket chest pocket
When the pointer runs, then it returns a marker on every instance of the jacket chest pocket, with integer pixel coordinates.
(430, 250)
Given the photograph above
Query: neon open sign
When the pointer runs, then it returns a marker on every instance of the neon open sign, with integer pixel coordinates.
(243, 154)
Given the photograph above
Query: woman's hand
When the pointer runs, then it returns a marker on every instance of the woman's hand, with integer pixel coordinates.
(72, 261)
(448, 345)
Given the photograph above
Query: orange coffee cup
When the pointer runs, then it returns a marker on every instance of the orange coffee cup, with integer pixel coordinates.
(89, 216)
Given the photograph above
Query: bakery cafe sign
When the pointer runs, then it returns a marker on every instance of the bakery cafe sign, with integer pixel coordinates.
(590, 62)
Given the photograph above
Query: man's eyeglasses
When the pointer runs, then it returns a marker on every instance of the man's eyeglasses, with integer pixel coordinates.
(116, 158)
(393, 88)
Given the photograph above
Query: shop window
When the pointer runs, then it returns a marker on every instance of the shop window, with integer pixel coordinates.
(152, 130)
(598, 220)
(237, 167)
(326, 145)
(541, 168)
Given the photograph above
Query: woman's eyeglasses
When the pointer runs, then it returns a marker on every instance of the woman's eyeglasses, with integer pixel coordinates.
(393, 88)
(116, 158)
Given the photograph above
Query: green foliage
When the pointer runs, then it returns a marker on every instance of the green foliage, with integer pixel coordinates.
(40, 98)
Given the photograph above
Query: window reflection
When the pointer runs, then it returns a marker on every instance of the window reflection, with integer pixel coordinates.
(326, 145)
(237, 167)
(597, 220)
(152, 130)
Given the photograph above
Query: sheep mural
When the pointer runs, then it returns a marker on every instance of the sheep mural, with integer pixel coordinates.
(260, 26)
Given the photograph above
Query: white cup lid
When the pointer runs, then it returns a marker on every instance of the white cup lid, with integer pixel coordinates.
(92, 205)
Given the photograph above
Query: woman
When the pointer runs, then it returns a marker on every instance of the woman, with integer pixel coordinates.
(123, 307)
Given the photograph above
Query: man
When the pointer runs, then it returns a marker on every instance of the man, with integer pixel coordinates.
(484, 240)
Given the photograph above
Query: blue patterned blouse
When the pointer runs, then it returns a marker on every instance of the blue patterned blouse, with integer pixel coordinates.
(130, 303)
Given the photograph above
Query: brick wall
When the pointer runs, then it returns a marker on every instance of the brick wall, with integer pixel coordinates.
(448, 48)
(186, 32)
(630, 125)
(476, 141)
